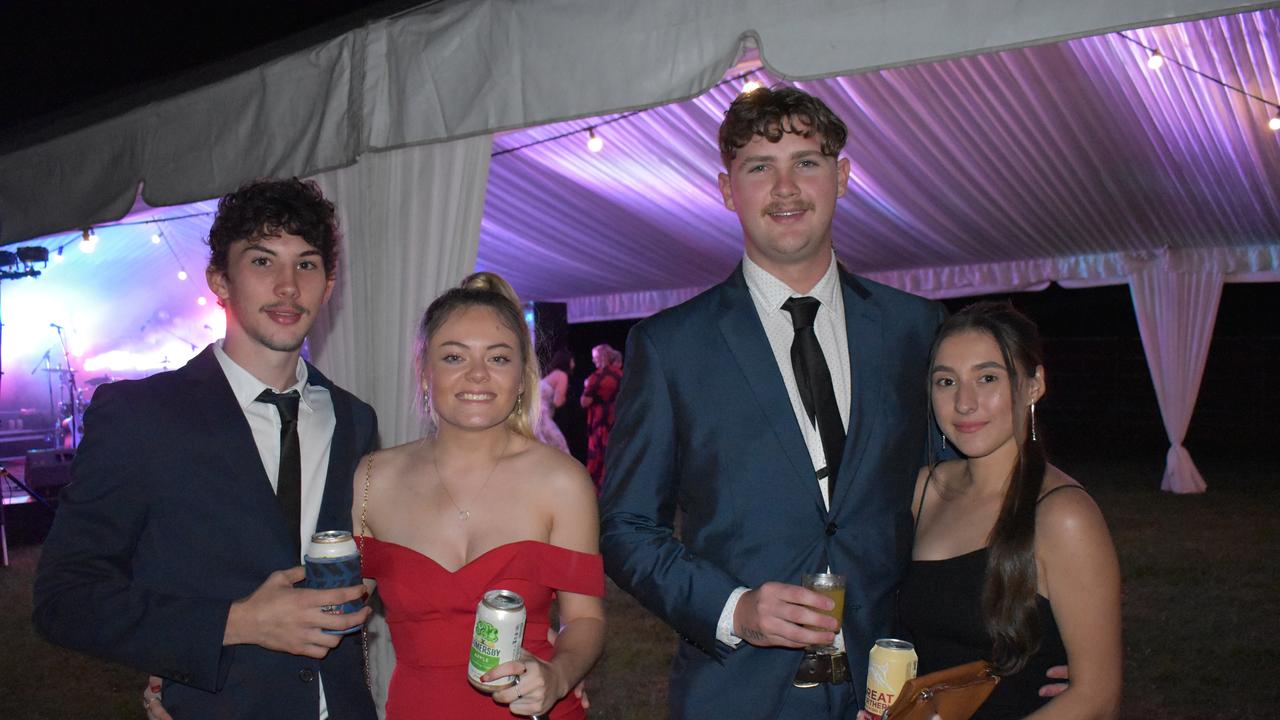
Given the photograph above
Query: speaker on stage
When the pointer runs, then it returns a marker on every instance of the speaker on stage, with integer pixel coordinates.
(49, 469)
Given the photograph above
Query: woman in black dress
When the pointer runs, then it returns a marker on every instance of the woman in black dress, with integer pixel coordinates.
(1012, 560)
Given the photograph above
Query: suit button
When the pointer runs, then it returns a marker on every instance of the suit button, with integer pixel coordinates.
(831, 529)
(305, 675)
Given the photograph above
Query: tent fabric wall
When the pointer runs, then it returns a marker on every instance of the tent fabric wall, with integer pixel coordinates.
(1176, 312)
(459, 68)
(411, 223)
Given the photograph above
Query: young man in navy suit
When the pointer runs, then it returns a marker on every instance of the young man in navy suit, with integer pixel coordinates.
(777, 474)
(177, 547)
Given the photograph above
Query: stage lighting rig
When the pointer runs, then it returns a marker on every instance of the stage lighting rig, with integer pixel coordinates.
(20, 264)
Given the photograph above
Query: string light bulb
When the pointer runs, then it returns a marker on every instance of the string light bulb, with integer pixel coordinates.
(1274, 122)
(182, 274)
(594, 143)
(155, 238)
(202, 301)
(751, 86)
(1156, 61)
(58, 257)
(88, 241)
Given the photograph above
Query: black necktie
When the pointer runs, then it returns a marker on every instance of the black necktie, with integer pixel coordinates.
(289, 481)
(813, 379)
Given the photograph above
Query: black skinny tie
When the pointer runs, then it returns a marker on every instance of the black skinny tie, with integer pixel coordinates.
(813, 378)
(289, 481)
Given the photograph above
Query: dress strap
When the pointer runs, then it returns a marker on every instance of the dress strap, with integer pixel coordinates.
(1061, 487)
(915, 524)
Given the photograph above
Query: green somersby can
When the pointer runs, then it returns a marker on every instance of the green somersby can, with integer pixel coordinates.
(497, 637)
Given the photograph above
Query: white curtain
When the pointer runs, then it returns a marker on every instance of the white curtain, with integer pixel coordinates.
(1176, 312)
(411, 223)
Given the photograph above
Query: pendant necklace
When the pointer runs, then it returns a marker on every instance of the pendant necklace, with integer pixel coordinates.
(463, 514)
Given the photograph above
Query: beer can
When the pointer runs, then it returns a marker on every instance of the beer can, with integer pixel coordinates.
(893, 663)
(333, 561)
(497, 637)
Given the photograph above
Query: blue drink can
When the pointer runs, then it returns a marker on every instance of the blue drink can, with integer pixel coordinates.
(332, 561)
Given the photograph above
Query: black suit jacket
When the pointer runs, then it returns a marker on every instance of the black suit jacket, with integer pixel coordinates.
(704, 424)
(170, 518)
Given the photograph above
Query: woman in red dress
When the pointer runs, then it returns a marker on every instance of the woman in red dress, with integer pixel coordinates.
(598, 396)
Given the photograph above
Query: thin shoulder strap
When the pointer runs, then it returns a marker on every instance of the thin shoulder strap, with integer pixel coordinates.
(920, 508)
(1061, 487)
(364, 503)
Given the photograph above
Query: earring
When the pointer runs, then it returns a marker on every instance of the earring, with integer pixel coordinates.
(1033, 422)
(944, 441)
(519, 399)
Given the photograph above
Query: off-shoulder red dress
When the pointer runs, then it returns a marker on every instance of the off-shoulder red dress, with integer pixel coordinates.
(431, 613)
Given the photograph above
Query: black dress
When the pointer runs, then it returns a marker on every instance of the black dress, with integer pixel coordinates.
(940, 610)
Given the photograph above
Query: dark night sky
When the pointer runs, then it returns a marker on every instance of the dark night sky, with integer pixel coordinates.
(62, 60)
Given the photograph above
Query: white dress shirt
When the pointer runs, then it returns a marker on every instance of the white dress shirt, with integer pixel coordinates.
(316, 423)
(768, 293)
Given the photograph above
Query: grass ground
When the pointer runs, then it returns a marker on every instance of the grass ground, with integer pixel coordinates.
(1201, 612)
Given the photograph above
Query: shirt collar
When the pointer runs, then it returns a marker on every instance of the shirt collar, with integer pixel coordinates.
(772, 292)
(247, 388)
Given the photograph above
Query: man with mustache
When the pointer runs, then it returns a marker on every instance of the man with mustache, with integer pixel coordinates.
(784, 413)
(177, 546)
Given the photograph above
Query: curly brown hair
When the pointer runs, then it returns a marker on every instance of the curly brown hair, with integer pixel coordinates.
(268, 207)
(770, 112)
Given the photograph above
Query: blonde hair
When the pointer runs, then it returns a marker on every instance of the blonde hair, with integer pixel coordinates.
(486, 289)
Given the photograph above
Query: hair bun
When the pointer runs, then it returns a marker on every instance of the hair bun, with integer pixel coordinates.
(491, 282)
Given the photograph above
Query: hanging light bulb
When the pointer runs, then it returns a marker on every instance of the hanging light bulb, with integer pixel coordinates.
(58, 258)
(594, 143)
(88, 242)
(1156, 61)
(155, 238)
(751, 86)
(1274, 122)
(202, 301)
(182, 274)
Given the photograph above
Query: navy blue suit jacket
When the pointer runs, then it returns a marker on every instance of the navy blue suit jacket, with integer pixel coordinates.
(704, 424)
(170, 518)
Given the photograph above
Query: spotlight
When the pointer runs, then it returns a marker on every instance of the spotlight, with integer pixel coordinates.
(594, 143)
(1156, 61)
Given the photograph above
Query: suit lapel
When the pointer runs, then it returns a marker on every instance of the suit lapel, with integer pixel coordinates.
(227, 428)
(865, 335)
(740, 325)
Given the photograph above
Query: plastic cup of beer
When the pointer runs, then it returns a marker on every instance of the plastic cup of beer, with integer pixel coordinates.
(831, 585)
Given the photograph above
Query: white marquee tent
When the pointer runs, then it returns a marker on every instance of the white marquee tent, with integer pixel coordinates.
(396, 121)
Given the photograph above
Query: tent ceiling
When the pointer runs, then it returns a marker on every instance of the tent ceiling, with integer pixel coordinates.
(1050, 151)
(458, 68)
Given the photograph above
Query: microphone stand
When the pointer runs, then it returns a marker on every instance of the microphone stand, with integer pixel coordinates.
(66, 354)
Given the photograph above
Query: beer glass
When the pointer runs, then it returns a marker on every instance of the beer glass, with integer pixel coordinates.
(831, 585)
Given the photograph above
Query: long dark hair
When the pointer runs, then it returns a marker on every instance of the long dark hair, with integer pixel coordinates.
(1009, 591)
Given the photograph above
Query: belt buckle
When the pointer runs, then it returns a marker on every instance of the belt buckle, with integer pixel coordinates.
(818, 668)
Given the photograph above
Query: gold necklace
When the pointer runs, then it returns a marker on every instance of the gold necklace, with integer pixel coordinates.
(464, 515)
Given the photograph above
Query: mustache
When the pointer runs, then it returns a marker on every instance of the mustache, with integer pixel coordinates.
(772, 208)
(286, 307)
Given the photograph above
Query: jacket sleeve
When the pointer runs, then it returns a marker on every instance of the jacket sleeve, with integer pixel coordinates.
(85, 594)
(642, 476)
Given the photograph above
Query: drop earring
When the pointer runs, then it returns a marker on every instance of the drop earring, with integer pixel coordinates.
(1033, 422)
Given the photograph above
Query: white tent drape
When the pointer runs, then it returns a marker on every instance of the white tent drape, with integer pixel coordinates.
(411, 219)
(411, 223)
(1176, 312)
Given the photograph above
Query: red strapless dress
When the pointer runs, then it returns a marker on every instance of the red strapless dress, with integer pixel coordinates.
(431, 613)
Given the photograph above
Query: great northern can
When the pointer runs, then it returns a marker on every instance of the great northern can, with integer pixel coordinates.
(497, 637)
(332, 561)
(892, 664)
